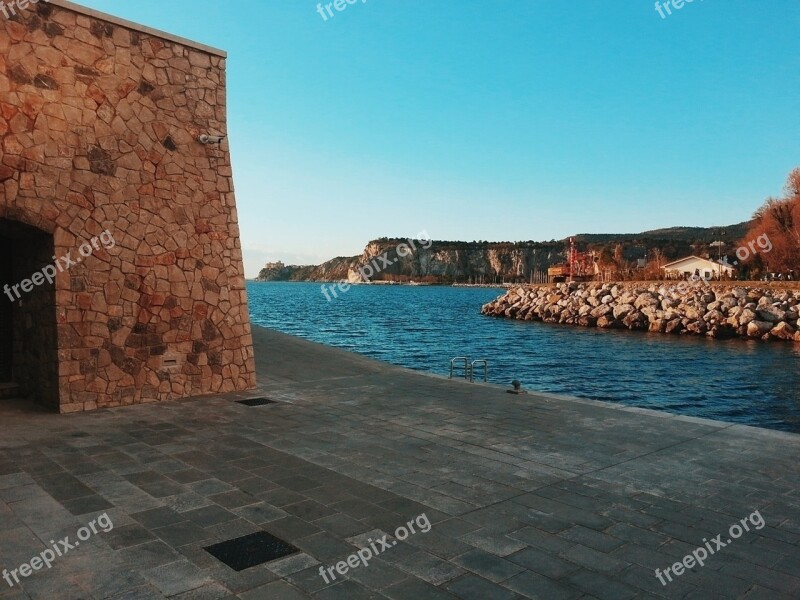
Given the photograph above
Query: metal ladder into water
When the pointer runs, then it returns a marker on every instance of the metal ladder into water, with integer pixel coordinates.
(469, 367)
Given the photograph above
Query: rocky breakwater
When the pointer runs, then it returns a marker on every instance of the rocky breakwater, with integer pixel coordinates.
(716, 311)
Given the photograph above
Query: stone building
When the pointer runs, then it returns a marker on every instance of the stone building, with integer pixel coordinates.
(120, 261)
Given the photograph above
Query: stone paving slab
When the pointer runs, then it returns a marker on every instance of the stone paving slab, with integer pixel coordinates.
(535, 496)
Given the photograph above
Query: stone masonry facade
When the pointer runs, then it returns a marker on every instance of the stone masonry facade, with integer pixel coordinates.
(100, 125)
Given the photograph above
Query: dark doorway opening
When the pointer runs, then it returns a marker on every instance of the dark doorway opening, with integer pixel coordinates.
(28, 331)
(6, 315)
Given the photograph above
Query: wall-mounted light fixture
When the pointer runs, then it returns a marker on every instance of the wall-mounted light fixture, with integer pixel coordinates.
(211, 139)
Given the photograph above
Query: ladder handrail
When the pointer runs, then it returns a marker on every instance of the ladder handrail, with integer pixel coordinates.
(466, 365)
(483, 362)
(469, 367)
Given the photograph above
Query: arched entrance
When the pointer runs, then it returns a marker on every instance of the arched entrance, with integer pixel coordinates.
(28, 331)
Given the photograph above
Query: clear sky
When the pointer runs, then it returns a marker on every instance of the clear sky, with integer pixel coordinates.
(495, 119)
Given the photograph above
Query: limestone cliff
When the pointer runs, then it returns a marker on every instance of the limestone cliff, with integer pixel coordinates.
(277, 271)
(430, 261)
(490, 262)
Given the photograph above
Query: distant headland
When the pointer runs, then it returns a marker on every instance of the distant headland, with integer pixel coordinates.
(629, 256)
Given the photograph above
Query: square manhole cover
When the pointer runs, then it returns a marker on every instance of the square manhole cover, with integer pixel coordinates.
(256, 401)
(251, 550)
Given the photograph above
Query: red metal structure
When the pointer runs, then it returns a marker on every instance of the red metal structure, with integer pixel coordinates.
(580, 266)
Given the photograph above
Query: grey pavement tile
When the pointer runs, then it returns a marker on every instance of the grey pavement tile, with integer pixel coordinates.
(292, 564)
(644, 578)
(180, 534)
(208, 516)
(493, 542)
(325, 547)
(212, 591)
(124, 536)
(259, 513)
(234, 499)
(377, 575)
(533, 585)
(363, 540)
(209, 487)
(277, 590)
(297, 483)
(346, 590)
(281, 497)
(177, 577)
(156, 484)
(241, 581)
(186, 476)
(232, 529)
(591, 538)
(186, 501)
(425, 566)
(593, 559)
(761, 593)
(415, 589)
(309, 580)
(488, 566)
(87, 504)
(472, 587)
(341, 525)
(148, 555)
(158, 517)
(543, 562)
(144, 592)
(10, 480)
(441, 545)
(292, 528)
(309, 510)
(600, 586)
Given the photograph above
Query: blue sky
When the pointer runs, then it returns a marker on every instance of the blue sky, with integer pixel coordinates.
(495, 119)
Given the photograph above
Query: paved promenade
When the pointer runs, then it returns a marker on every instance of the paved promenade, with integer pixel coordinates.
(526, 496)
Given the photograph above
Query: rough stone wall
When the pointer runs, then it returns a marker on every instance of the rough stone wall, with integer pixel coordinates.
(99, 127)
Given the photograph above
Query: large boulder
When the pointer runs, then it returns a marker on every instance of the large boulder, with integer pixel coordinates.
(623, 310)
(714, 316)
(601, 311)
(646, 299)
(757, 329)
(747, 316)
(721, 331)
(771, 314)
(697, 327)
(609, 323)
(693, 313)
(782, 331)
(635, 320)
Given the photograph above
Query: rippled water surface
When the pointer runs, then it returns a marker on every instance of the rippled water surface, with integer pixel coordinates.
(424, 327)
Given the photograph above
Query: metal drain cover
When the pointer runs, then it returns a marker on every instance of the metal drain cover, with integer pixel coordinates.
(251, 550)
(256, 401)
